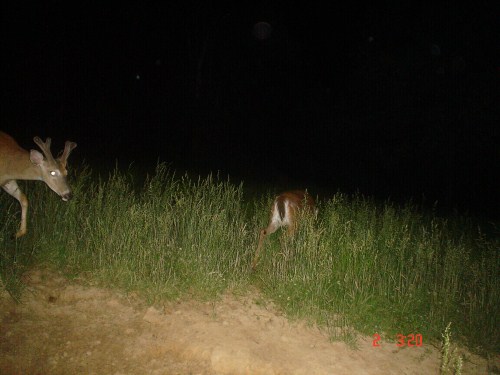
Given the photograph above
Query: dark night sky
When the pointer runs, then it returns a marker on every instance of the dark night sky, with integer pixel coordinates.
(395, 101)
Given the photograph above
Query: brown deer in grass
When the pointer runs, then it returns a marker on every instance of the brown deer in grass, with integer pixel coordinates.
(18, 164)
(284, 213)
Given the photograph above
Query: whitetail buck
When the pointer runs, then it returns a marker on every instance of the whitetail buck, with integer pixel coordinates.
(284, 213)
(18, 164)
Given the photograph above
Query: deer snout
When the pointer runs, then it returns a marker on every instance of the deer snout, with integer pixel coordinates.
(67, 196)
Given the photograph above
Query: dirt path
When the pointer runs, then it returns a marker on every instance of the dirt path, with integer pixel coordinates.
(66, 328)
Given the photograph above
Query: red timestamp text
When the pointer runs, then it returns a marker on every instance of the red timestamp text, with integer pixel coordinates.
(410, 340)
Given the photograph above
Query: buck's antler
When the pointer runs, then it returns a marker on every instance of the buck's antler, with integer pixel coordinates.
(45, 147)
(68, 147)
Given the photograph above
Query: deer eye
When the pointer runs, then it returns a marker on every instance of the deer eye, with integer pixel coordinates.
(52, 173)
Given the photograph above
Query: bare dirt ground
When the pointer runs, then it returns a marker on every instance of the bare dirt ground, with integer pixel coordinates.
(64, 327)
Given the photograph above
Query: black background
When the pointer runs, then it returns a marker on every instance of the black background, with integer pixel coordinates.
(397, 100)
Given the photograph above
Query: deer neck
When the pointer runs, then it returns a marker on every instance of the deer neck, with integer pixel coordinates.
(18, 166)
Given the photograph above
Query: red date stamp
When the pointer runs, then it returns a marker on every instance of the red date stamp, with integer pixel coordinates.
(410, 340)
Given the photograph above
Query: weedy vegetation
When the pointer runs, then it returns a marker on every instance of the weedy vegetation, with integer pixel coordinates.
(359, 267)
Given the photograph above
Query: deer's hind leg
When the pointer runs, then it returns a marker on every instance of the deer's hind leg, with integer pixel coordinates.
(271, 228)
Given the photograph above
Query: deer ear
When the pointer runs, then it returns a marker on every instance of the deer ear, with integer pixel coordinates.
(36, 157)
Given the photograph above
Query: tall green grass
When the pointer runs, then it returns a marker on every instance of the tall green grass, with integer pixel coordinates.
(389, 270)
(166, 238)
(358, 267)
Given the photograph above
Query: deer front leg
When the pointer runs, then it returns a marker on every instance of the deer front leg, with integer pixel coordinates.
(12, 188)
